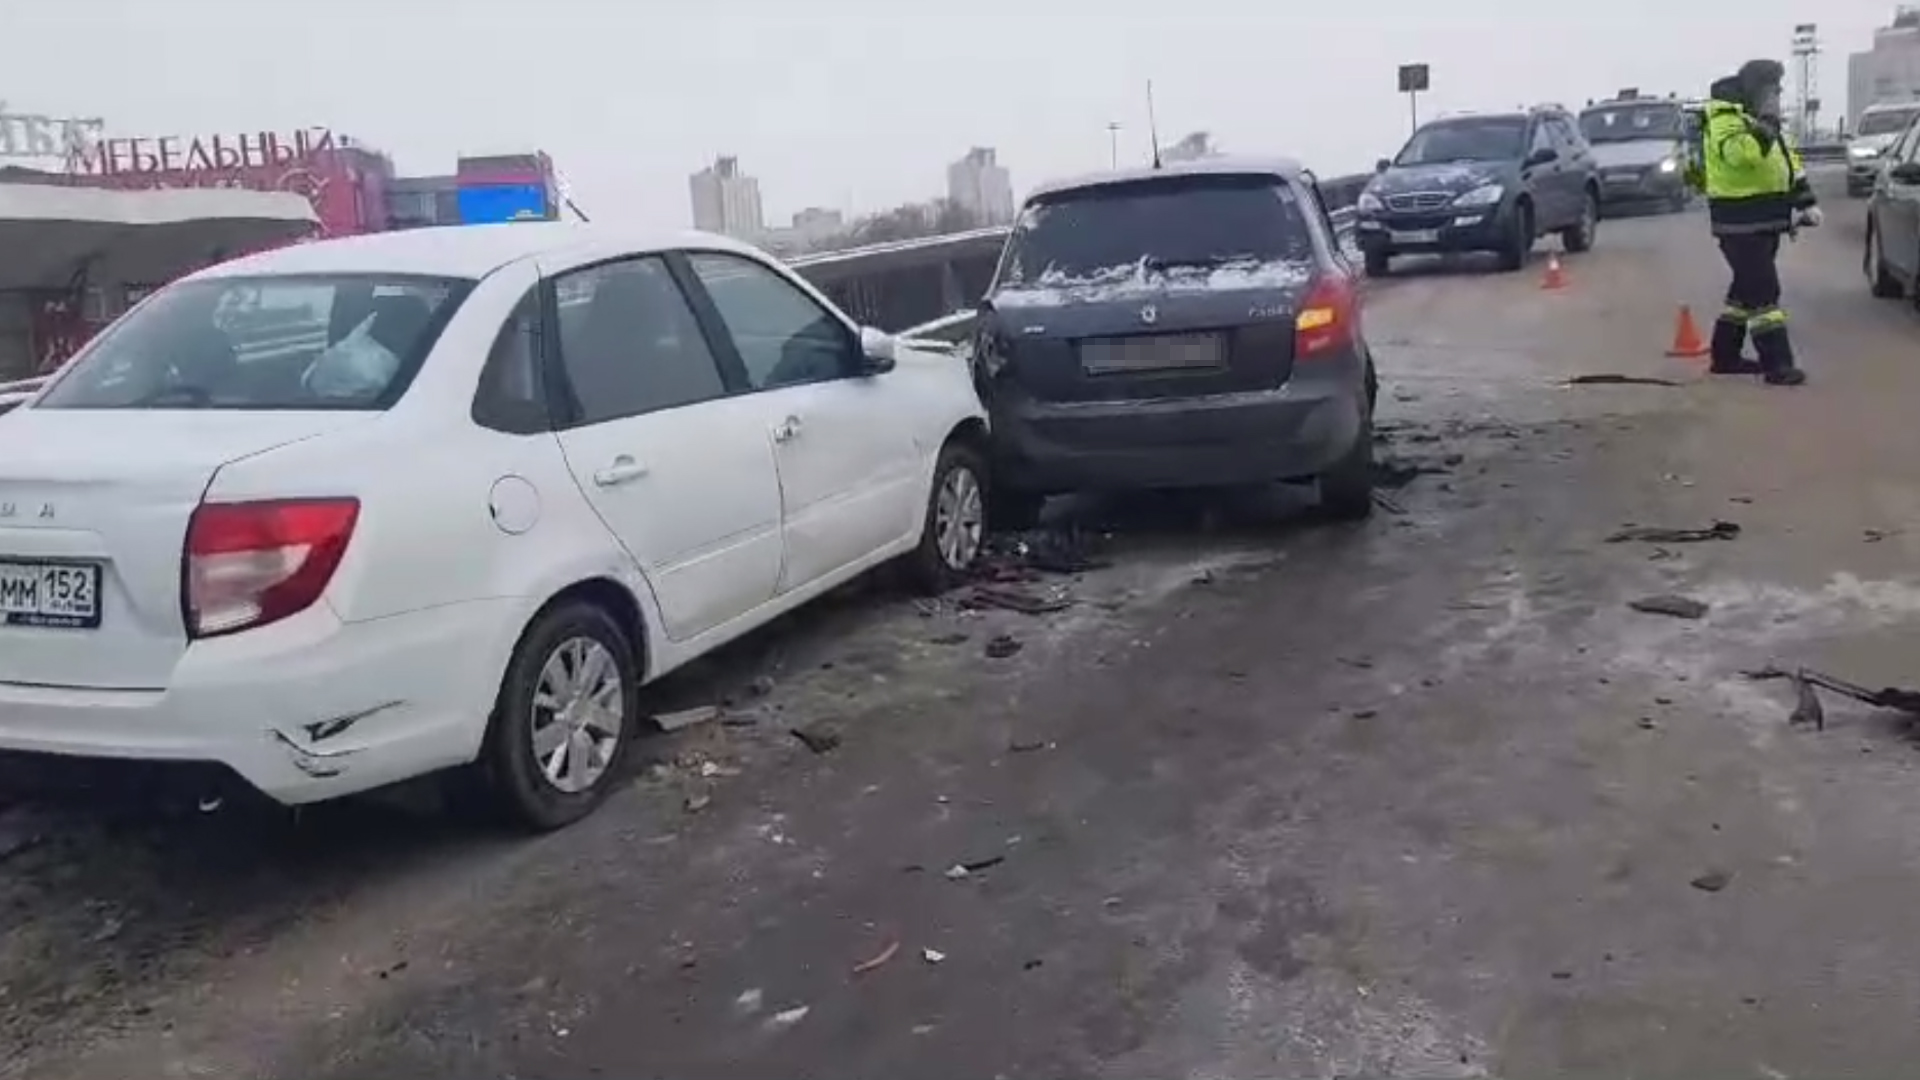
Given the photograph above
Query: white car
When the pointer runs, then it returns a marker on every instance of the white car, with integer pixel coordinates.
(448, 498)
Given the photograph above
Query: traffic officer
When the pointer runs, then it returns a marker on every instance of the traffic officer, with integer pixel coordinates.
(1756, 191)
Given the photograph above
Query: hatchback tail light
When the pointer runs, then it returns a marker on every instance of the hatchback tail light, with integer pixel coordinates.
(248, 564)
(1328, 317)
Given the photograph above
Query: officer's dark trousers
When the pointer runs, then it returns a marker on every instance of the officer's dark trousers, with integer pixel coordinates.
(1753, 306)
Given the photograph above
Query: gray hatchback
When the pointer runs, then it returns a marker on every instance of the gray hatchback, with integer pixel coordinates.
(1190, 325)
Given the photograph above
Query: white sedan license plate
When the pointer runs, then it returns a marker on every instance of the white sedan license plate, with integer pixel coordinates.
(1416, 236)
(63, 595)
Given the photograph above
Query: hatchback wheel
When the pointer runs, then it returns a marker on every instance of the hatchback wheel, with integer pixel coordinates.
(955, 529)
(563, 723)
(1880, 279)
(1346, 489)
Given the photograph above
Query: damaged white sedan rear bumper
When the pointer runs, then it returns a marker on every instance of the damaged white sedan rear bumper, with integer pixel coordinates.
(306, 710)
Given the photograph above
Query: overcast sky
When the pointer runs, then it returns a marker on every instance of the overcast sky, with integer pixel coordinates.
(860, 104)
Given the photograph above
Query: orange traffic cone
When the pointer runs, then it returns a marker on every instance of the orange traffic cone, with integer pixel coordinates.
(1687, 344)
(1556, 277)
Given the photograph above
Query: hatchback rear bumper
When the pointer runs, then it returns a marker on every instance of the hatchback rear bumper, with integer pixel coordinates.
(1294, 432)
(304, 710)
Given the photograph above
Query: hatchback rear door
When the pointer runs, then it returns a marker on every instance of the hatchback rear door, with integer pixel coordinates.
(1175, 286)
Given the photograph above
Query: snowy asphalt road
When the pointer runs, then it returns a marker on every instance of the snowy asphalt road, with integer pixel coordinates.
(1418, 798)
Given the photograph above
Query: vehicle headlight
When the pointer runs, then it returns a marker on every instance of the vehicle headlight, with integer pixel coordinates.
(1862, 153)
(1668, 165)
(1484, 195)
(1369, 203)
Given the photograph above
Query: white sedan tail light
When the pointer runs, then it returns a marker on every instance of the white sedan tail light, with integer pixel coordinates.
(248, 564)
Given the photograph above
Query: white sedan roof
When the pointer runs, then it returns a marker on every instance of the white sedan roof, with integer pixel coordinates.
(462, 251)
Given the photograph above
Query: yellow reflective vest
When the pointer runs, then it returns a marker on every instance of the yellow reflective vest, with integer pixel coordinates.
(1752, 176)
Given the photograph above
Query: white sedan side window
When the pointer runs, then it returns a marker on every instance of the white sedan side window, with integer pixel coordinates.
(783, 337)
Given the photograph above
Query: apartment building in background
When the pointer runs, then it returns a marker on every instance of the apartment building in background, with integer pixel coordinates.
(981, 185)
(1888, 72)
(726, 200)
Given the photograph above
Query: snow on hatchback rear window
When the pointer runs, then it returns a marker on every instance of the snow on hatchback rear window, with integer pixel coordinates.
(343, 341)
(1179, 224)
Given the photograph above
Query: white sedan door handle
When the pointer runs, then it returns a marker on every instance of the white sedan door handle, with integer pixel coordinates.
(788, 430)
(623, 470)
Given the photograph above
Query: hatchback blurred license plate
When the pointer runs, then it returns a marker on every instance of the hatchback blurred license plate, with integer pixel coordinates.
(65, 595)
(1152, 352)
(1416, 236)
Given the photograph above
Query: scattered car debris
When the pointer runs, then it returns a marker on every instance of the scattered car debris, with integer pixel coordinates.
(1712, 881)
(1390, 473)
(1003, 646)
(932, 956)
(877, 959)
(1807, 708)
(1647, 723)
(820, 736)
(760, 687)
(1020, 600)
(1653, 534)
(955, 638)
(1387, 502)
(1028, 746)
(1611, 379)
(788, 1018)
(1047, 551)
(968, 869)
(749, 1001)
(1874, 536)
(698, 801)
(1679, 607)
(686, 718)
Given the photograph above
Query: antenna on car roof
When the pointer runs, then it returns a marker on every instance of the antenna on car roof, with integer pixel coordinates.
(1153, 126)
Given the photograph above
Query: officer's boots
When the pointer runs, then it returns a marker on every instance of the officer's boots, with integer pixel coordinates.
(1729, 337)
(1776, 357)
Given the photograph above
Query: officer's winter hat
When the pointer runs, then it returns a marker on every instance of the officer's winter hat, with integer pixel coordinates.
(1758, 75)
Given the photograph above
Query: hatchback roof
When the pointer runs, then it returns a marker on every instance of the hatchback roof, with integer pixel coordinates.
(459, 251)
(1283, 168)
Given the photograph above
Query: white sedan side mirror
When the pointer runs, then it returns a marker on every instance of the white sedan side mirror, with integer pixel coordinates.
(877, 350)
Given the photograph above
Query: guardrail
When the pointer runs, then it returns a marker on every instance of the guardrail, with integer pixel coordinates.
(951, 332)
(1823, 153)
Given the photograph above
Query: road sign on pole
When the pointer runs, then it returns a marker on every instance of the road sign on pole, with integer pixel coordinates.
(1413, 79)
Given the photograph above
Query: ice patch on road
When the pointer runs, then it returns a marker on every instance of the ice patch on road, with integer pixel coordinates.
(1236, 1022)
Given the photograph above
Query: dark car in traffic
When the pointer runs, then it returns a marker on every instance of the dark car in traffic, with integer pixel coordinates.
(1891, 258)
(1638, 145)
(1495, 182)
(1192, 325)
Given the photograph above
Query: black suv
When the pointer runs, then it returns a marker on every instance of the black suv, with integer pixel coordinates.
(1494, 182)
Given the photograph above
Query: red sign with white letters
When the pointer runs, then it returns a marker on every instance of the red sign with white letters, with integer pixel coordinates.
(344, 184)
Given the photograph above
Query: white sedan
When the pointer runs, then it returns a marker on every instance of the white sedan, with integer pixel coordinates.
(446, 498)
